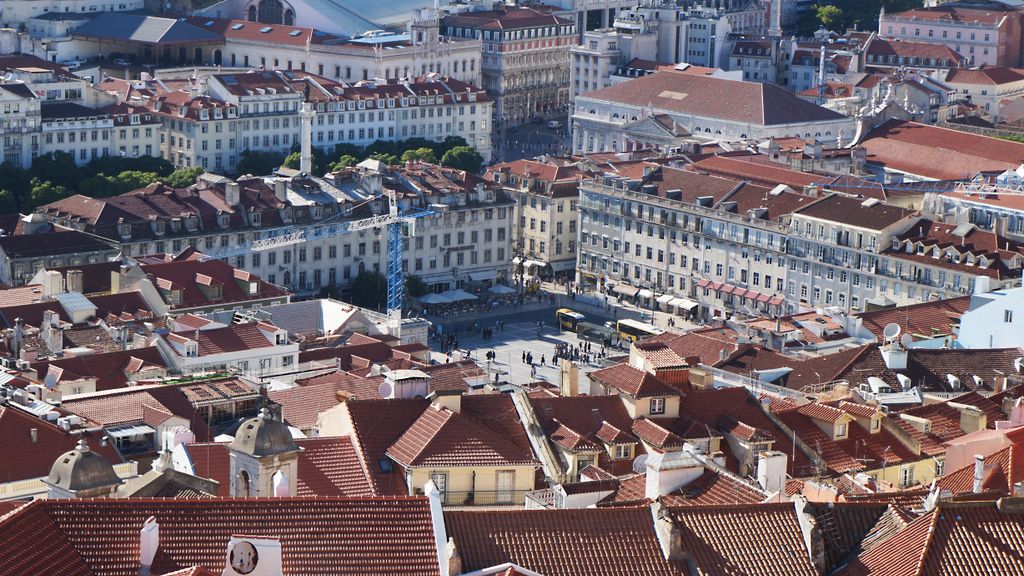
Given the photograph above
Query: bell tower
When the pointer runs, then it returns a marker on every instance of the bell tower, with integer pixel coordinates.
(264, 459)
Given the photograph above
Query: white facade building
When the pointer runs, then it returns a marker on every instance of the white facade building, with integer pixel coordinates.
(994, 320)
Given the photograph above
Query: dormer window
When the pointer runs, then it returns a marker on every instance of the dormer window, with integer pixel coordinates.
(176, 296)
(281, 339)
(876, 424)
(223, 220)
(158, 227)
(192, 350)
(657, 406)
(257, 218)
(895, 244)
(216, 292)
(204, 114)
(936, 252)
(840, 431)
(135, 119)
(191, 224)
(983, 262)
(125, 230)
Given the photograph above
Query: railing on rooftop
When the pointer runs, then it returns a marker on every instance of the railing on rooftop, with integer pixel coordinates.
(484, 498)
(732, 379)
(546, 499)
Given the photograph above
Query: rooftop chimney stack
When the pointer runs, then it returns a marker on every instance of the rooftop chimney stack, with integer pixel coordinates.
(979, 472)
(75, 281)
(149, 541)
(232, 194)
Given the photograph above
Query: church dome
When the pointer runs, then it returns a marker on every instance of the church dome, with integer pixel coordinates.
(263, 436)
(82, 469)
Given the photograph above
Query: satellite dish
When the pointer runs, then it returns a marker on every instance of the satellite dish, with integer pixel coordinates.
(640, 464)
(891, 331)
(907, 341)
(384, 390)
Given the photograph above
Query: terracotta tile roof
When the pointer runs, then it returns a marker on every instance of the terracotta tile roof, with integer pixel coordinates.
(924, 320)
(910, 499)
(376, 425)
(24, 459)
(573, 422)
(328, 466)
(821, 412)
(842, 208)
(637, 383)
(234, 338)
(757, 169)
(1003, 469)
(854, 409)
(882, 48)
(762, 539)
(707, 97)
(955, 14)
(704, 343)
(442, 438)
(927, 368)
(609, 434)
(844, 526)
(127, 406)
(110, 369)
(100, 537)
(939, 153)
(453, 375)
(859, 450)
(990, 75)
(954, 539)
(617, 541)
(709, 406)
(183, 274)
(713, 489)
(305, 402)
(660, 355)
(653, 433)
(632, 491)
(373, 350)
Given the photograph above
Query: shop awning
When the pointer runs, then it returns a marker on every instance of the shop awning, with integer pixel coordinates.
(740, 292)
(763, 298)
(534, 263)
(130, 431)
(715, 286)
(775, 301)
(703, 282)
(645, 293)
(665, 298)
(684, 303)
(727, 288)
(561, 265)
(483, 275)
(501, 289)
(626, 290)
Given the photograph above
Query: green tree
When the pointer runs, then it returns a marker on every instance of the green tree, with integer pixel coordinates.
(419, 154)
(57, 167)
(830, 16)
(17, 183)
(463, 158)
(382, 147)
(344, 162)
(448, 143)
(102, 186)
(45, 192)
(8, 204)
(369, 290)
(389, 159)
(118, 164)
(183, 177)
(415, 286)
(258, 163)
(293, 160)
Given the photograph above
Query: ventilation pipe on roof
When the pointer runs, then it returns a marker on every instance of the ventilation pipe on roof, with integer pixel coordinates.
(149, 541)
(979, 472)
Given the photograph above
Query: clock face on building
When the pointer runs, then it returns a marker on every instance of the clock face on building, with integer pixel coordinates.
(244, 558)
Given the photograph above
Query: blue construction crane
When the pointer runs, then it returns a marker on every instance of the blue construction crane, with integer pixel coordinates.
(399, 226)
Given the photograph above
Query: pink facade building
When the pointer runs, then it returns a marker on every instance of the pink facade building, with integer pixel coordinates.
(982, 37)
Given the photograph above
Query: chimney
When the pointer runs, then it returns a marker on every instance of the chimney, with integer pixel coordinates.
(895, 357)
(982, 285)
(979, 472)
(149, 541)
(450, 399)
(232, 194)
(771, 471)
(53, 284)
(75, 281)
(34, 433)
(670, 471)
(281, 190)
(972, 419)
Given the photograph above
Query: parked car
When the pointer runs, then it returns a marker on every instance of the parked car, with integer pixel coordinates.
(73, 64)
(122, 62)
(554, 124)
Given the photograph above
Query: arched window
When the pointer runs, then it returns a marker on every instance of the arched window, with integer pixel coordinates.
(252, 13)
(244, 485)
(289, 17)
(270, 11)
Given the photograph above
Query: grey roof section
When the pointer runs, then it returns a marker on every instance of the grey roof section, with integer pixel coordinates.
(144, 29)
(82, 469)
(65, 16)
(264, 436)
(322, 316)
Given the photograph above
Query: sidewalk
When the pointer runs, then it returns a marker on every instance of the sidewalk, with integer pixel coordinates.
(623, 309)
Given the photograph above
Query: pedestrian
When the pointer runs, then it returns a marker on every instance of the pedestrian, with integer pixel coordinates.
(524, 356)
(542, 363)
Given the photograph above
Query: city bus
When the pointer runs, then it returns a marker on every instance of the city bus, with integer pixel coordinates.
(567, 319)
(633, 330)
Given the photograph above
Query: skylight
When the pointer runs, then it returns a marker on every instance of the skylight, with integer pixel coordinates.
(265, 29)
(238, 26)
(295, 32)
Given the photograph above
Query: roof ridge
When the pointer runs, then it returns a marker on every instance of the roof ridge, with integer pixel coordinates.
(929, 536)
